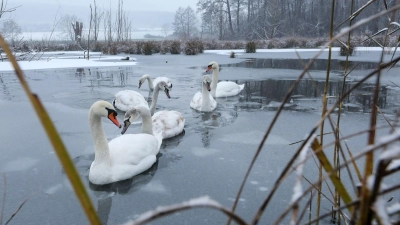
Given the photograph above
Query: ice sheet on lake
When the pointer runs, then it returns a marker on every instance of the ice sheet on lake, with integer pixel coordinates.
(254, 137)
(203, 152)
(20, 164)
(54, 189)
(155, 187)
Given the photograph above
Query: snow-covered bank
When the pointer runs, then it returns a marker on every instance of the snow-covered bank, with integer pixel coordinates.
(74, 59)
(58, 60)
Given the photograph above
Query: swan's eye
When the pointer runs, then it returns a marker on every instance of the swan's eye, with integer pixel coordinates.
(110, 111)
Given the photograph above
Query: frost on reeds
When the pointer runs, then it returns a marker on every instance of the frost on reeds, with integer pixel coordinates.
(204, 201)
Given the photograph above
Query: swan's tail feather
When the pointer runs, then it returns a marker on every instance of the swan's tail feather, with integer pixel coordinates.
(241, 86)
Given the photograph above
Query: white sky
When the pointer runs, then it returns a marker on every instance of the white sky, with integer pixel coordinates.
(132, 5)
(39, 15)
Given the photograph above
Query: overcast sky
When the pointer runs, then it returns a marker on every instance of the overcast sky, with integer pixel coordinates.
(142, 5)
(39, 15)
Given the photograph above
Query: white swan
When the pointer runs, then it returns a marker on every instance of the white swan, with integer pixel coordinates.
(223, 88)
(152, 84)
(203, 101)
(170, 123)
(126, 99)
(124, 156)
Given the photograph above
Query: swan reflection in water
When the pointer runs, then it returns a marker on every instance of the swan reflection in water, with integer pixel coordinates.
(104, 193)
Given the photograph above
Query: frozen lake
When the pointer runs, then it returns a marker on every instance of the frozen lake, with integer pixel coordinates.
(210, 158)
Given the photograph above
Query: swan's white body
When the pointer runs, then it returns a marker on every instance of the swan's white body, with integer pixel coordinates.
(169, 123)
(124, 156)
(223, 88)
(153, 84)
(126, 99)
(203, 101)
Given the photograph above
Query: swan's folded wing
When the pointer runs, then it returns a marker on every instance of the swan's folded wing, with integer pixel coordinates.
(132, 148)
(228, 88)
(170, 123)
(126, 99)
(196, 101)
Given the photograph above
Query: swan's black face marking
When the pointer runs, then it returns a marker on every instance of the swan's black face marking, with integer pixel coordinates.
(166, 90)
(208, 86)
(112, 115)
(127, 123)
(140, 83)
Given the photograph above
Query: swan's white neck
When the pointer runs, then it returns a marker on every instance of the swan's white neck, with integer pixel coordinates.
(151, 87)
(147, 124)
(206, 103)
(214, 81)
(101, 150)
(154, 101)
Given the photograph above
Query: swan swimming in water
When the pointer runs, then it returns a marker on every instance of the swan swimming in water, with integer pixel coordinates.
(223, 88)
(152, 84)
(126, 99)
(124, 156)
(203, 101)
(167, 122)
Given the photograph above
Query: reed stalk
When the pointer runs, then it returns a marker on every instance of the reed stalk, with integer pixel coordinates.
(55, 140)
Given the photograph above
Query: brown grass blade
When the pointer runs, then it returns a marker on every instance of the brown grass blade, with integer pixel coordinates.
(329, 169)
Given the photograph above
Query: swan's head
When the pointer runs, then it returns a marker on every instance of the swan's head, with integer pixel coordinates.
(105, 109)
(212, 65)
(165, 87)
(132, 115)
(207, 82)
(143, 79)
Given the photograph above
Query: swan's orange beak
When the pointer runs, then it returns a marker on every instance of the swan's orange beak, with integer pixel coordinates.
(114, 119)
(209, 68)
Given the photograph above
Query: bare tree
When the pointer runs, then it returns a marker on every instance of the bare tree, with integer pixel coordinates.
(166, 29)
(77, 27)
(66, 28)
(90, 27)
(96, 21)
(119, 21)
(185, 23)
(11, 31)
(4, 9)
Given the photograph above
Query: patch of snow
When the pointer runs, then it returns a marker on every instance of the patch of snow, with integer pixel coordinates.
(70, 62)
(204, 152)
(263, 189)
(381, 212)
(54, 189)
(155, 187)
(20, 164)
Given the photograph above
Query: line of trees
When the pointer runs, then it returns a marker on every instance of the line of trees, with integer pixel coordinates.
(267, 19)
